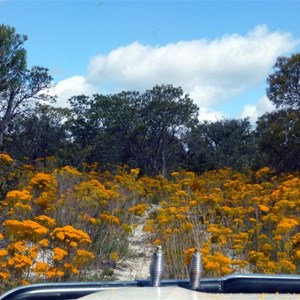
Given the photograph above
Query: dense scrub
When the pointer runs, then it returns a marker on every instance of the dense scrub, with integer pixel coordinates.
(62, 224)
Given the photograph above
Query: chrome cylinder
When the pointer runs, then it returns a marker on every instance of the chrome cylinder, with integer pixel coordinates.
(195, 270)
(157, 266)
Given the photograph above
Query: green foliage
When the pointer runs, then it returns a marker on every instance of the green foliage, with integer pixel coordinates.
(284, 83)
(19, 86)
(225, 143)
(278, 131)
(141, 130)
(102, 126)
(167, 114)
(40, 133)
(279, 139)
(157, 131)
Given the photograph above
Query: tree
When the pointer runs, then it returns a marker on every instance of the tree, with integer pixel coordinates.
(40, 133)
(141, 130)
(102, 127)
(167, 114)
(284, 84)
(278, 131)
(19, 87)
(225, 143)
(279, 139)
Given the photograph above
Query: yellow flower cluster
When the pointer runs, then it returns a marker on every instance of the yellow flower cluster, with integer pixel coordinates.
(41, 268)
(239, 221)
(82, 258)
(42, 181)
(109, 218)
(59, 253)
(138, 209)
(70, 235)
(5, 159)
(254, 217)
(25, 230)
(15, 196)
(71, 171)
(45, 221)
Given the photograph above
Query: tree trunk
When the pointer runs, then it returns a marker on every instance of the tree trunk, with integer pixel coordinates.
(164, 168)
(1, 141)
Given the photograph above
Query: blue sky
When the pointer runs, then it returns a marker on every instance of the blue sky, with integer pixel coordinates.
(219, 51)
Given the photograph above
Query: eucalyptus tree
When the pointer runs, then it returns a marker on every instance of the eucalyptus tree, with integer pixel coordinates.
(40, 133)
(20, 87)
(225, 143)
(102, 127)
(141, 130)
(284, 83)
(279, 139)
(167, 114)
(279, 131)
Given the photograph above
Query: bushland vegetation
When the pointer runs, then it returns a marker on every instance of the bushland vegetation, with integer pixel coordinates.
(75, 182)
(62, 224)
(157, 131)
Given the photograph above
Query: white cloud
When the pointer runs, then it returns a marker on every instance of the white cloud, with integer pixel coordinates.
(72, 86)
(206, 114)
(257, 109)
(211, 71)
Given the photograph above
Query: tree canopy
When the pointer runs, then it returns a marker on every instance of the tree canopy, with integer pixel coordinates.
(278, 131)
(133, 128)
(157, 131)
(224, 143)
(279, 139)
(19, 86)
(284, 83)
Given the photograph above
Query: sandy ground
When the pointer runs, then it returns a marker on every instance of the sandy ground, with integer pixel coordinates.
(138, 266)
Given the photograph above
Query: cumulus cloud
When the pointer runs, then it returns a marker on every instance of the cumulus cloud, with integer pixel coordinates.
(72, 86)
(206, 114)
(211, 71)
(257, 109)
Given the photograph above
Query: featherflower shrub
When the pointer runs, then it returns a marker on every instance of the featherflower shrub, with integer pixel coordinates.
(25, 230)
(138, 209)
(82, 258)
(16, 196)
(43, 189)
(38, 213)
(42, 181)
(45, 221)
(5, 159)
(58, 218)
(69, 234)
(247, 219)
(41, 268)
(8, 174)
